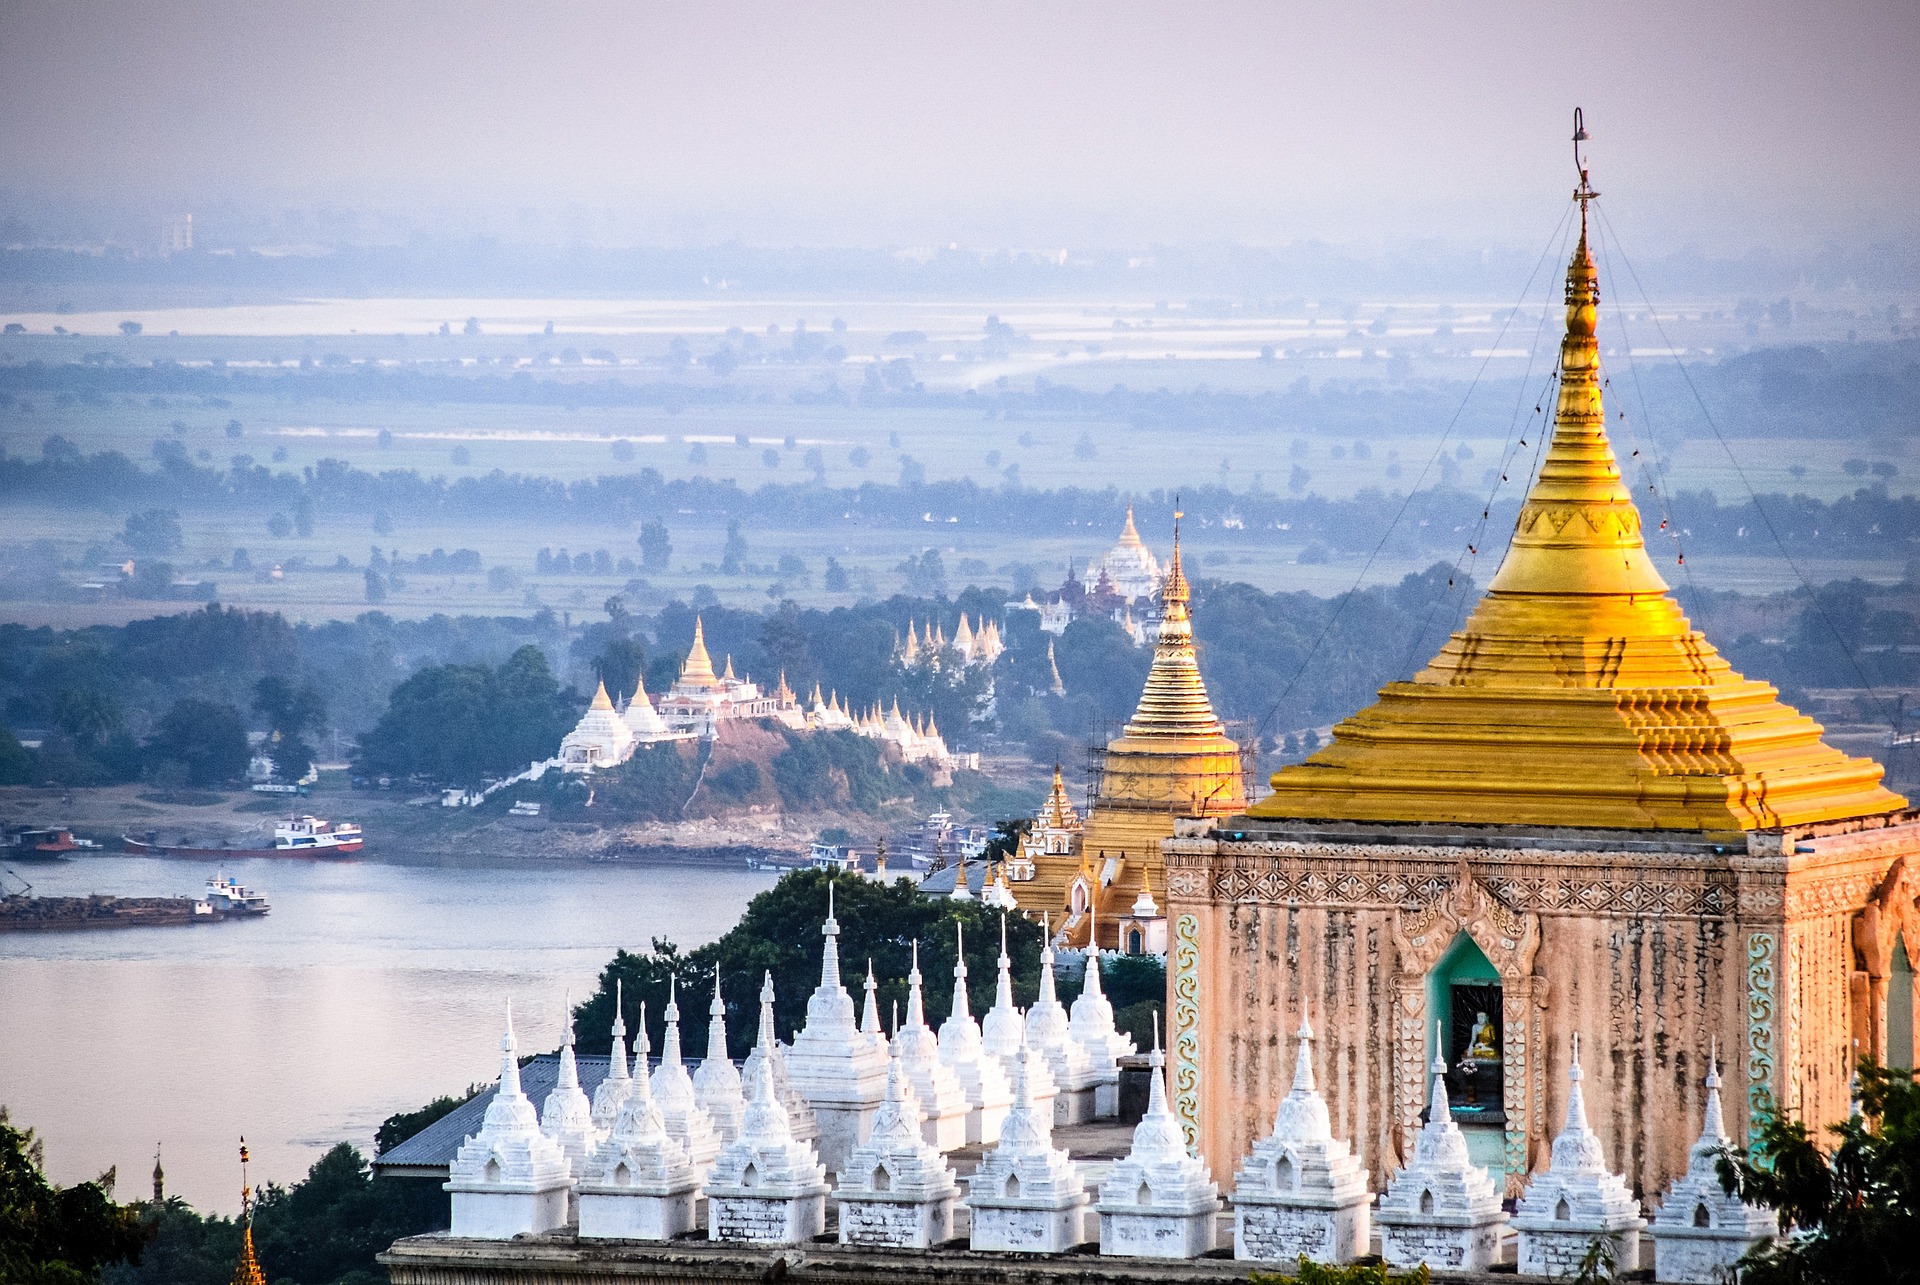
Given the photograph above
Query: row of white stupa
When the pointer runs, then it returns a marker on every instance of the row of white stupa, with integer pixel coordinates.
(632, 1163)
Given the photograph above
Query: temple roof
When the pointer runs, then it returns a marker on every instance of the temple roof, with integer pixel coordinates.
(1577, 693)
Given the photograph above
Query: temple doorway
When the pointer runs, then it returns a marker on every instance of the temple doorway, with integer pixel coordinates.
(1900, 1007)
(1464, 997)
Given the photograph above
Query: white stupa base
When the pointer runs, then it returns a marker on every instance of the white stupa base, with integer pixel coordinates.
(946, 1132)
(1028, 1229)
(621, 1215)
(1557, 1252)
(983, 1124)
(766, 1220)
(1470, 1247)
(1106, 1100)
(842, 1128)
(898, 1224)
(494, 1214)
(1285, 1233)
(1074, 1106)
(1143, 1234)
(1697, 1255)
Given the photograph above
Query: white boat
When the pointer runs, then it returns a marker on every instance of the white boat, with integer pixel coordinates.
(310, 834)
(226, 895)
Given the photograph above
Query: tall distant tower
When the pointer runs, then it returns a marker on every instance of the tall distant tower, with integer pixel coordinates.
(1576, 821)
(177, 236)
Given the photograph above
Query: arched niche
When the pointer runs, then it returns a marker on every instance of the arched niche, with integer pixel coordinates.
(1461, 935)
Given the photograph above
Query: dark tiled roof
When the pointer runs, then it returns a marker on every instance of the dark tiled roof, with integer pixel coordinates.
(429, 1152)
(941, 881)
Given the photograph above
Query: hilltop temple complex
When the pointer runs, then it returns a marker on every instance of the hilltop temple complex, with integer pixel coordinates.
(1576, 820)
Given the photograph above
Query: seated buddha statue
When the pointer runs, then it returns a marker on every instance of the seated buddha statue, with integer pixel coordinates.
(1484, 1046)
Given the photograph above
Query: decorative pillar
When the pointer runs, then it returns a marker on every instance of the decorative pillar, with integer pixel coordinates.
(1762, 951)
(1186, 1028)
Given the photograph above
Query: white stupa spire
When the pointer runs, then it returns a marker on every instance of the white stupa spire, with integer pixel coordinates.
(1701, 1231)
(1159, 1200)
(943, 1100)
(567, 1116)
(841, 1071)
(767, 1048)
(611, 1094)
(673, 1090)
(1442, 1209)
(1576, 1197)
(870, 1012)
(1026, 1175)
(509, 1177)
(1091, 1021)
(1301, 1191)
(766, 1169)
(981, 1076)
(639, 1183)
(897, 1189)
(1049, 1034)
(1003, 1028)
(716, 1084)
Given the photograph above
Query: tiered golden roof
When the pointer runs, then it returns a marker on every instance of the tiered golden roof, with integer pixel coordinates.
(1577, 693)
(698, 669)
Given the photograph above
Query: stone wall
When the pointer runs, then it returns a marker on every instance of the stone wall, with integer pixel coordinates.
(1651, 956)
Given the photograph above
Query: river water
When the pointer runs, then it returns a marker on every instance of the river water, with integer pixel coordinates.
(370, 989)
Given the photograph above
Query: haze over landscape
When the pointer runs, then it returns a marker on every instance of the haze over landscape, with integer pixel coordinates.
(379, 381)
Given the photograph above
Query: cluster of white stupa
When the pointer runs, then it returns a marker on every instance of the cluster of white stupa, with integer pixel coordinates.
(881, 1113)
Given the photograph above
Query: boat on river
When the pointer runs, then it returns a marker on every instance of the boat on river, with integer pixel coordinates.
(299, 836)
(228, 896)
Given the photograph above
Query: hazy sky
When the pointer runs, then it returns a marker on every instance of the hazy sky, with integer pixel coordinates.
(1023, 124)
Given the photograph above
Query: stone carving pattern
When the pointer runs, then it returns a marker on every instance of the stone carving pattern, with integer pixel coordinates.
(1790, 1028)
(1760, 987)
(1633, 889)
(1186, 1028)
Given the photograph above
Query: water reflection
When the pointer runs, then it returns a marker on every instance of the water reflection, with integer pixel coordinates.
(369, 989)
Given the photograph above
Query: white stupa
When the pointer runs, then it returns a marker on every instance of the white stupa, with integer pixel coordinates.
(567, 1115)
(943, 1102)
(611, 1093)
(897, 1189)
(1026, 1195)
(600, 739)
(767, 1188)
(716, 1083)
(1090, 1024)
(989, 1091)
(1049, 1033)
(686, 1120)
(1575, 1200)
(639, 1183)
(870, 1015)
(841, 1073)
(509, 1178)
(1302, 1193)
(642, 719)
(1442, 1210)
(1701, 1231)
(800, 1118)
(1159, 1202)
(1003, 1033)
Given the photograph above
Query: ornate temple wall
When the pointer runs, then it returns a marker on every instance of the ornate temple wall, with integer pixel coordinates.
(1652, 957)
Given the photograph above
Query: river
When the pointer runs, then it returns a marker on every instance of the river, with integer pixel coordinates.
(370, 989)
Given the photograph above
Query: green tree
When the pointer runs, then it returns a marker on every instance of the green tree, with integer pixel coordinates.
(1855, 1207)
(16, 761)
(87, 714)
(733, 556)
(153, 533)
(291, 713)
(656, 548)
(57, 1235)
(459, 723)
(209, 737)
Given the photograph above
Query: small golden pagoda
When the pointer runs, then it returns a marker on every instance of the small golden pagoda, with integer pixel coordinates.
(247, 1270)
(1173, 759)
(1578, 694)
(697, 669)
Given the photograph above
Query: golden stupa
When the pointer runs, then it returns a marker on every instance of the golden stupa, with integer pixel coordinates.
(1578, 694)
(1173, 759)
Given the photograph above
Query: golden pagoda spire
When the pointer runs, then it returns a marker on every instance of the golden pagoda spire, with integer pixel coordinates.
(1058, 814)
(1130, 534)
(1174, 701)
(697, 671)
(600, 698)
(247, 1270)
(1577, 693)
